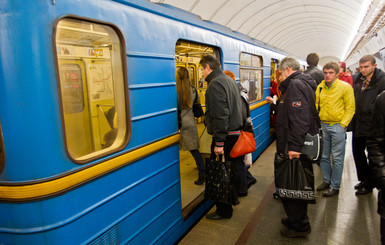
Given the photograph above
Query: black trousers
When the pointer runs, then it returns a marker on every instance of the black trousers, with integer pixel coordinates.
(237, 167)
(296, 211)
(360, 159)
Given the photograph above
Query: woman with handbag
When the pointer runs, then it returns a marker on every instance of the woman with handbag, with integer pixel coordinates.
(187, 94)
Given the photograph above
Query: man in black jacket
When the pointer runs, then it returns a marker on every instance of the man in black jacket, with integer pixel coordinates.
(376, 154)
(294, 120)
(369, 83)
(223, 120)
(312, 60)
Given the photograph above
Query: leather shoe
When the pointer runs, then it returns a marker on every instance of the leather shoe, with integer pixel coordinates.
(285, 222)
(331, 192)
(363, 191)
(286, 232)
(200, 180)
(242, 194)
(323, 186)
(215, 216)
(251, 182)
(359, 185)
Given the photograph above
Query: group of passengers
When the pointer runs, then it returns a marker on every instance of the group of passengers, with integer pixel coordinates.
(341, 103)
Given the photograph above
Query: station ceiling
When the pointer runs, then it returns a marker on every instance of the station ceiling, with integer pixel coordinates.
(331, 28)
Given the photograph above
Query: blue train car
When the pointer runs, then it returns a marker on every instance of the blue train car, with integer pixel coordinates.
(89, 137)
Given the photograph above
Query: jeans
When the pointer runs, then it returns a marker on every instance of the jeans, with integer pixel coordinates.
(333, 155)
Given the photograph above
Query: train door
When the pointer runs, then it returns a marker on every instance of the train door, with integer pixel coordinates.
(92, 86)
(188, 55)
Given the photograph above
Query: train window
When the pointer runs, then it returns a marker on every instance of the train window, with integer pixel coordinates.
(251, 74)
(92, 88)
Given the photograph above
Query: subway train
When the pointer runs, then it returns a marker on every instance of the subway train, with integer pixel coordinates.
(89, 137)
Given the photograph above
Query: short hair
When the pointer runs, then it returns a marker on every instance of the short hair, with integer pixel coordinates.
(230, 74)
(210, 60)
(332, 65)
(367, 58)
(289, 62)
(312, 59)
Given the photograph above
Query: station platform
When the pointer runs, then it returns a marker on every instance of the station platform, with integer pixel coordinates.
(342, 219)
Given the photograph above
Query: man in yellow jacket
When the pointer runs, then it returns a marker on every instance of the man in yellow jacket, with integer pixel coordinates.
(336, 107)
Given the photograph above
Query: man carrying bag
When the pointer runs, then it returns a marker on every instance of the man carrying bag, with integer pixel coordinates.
(223, 121)
(293, 172)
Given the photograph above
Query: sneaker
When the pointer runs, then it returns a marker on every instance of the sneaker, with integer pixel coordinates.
(200, 180)
(331, 192)
(323, 186)
(289, 233)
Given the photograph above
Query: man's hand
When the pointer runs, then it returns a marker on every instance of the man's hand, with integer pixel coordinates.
(269, 99)
(218, 150)
(293, 154)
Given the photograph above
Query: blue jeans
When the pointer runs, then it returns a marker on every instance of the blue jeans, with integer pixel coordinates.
(333, 155)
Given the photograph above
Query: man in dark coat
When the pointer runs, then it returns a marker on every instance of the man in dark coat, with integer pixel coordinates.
(376, 154)
(312, 60)
(295, 112)
(223, 120)
(369, 83)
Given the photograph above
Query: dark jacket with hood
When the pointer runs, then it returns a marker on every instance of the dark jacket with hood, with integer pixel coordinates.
(294, 107)
(376, 150)
(223, 106)
(315, 73)
(365, 102)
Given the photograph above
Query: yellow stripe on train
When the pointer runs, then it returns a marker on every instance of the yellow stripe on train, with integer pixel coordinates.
(24, 192)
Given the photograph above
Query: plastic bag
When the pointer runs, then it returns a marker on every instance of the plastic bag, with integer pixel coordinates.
(294, 179)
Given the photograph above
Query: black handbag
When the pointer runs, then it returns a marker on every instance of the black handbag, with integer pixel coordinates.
(197, 108)
(294, 179)
(218, 187)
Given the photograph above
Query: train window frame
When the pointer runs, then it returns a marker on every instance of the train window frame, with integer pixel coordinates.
(106, 53)
(2, 150)
(251, 65)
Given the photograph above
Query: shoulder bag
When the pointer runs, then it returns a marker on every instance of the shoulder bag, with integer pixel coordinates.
(244, 145)
(313, 144)
(197, 108)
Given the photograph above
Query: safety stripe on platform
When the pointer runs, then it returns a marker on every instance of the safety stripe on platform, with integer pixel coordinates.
(254, 220)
